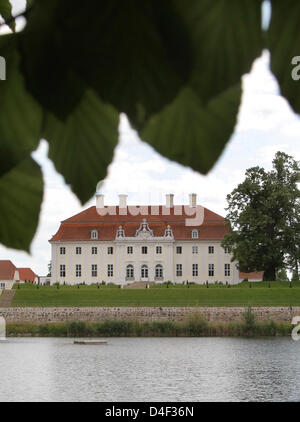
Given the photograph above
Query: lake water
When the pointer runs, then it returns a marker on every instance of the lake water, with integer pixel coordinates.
(150, 369)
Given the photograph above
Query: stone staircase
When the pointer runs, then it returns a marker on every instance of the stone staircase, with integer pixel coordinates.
(6, 298)
(138, 285)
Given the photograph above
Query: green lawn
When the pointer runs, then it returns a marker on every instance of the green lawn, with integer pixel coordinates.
(260, 294)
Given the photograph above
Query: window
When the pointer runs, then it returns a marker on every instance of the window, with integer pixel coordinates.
(62, 270)
(94, 250)
(227, 270)
(226, 250)
(110, 250)
(178, 270)
(2, 285)
(129, 250)
(211, 270)
(144, 271)
(195, 270)
(211, 249)
(194, 234)
(158, 249)
(78, 250)
(159, 271)
(94, 270)
(129, 271)
(144, 250)
(78, 270)
(94, 234)
(194, 249)
(110, 270)
(63, 250)
(179, 249)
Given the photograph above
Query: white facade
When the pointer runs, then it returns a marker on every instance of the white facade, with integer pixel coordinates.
(142, 257)
(8, 284)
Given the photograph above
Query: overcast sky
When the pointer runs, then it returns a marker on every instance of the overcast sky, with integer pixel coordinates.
(266, 124)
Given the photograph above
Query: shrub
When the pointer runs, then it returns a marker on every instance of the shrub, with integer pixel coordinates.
(249, 321)
(196, 325)
(77, 329)
(116, 328)
(163, 327)
(43, 329)
(249, 317)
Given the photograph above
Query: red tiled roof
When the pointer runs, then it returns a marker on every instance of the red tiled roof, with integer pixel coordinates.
(7, 270)
(26, 274)
(80, 225)
(254, 275)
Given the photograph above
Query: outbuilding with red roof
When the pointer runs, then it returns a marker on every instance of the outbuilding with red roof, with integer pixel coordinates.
(27, 275)
(9, 274)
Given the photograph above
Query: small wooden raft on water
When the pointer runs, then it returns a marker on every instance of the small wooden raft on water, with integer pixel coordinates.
(90, 342)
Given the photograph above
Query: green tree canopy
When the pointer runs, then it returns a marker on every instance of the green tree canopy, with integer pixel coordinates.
(173, 67)
(281, 275)
(264, 218)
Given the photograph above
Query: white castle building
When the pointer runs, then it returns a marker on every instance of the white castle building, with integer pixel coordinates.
(125, 244)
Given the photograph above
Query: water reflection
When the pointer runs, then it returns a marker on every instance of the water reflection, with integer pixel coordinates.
(145, 369)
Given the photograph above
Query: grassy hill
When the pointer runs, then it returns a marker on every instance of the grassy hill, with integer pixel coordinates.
(243, 294)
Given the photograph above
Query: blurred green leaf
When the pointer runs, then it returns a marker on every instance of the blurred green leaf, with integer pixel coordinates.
(135, 54)
(82, 147)
(198, 132)
(21, 194)
(283, 41)
(49, 76)
(226, 38)
(20, 114)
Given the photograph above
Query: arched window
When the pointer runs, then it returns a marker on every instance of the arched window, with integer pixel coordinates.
(194, 234)
(144, 271)
(94, 234)
(129, 271)
(159, 271)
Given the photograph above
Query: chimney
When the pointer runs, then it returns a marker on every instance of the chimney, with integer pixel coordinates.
(122, 201)
(99, 200)
(193, 199)
(169, 200)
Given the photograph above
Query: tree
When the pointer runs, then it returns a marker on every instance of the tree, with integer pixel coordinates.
(295, 275)
(49, 269)
(174, 70)
(264, 218)
(281, 275)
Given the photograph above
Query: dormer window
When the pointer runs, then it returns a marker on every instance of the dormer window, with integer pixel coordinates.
(168, 232)
(120, 232)
(195, 234)
(94, 234)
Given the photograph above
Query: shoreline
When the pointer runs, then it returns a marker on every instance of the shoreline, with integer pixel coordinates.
(194, 326)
